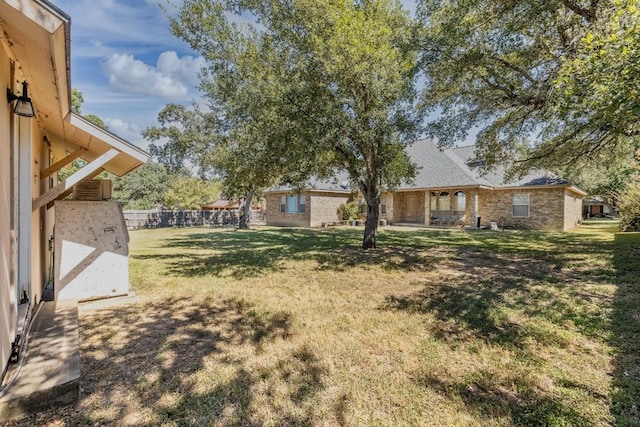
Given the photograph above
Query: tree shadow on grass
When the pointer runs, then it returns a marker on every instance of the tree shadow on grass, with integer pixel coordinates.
(492, 401)
(249, 253)
(625, 335)
(516, 303)
(188, 362)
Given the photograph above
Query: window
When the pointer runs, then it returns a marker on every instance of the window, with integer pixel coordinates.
(292, 203)
(433, 204)
(383, 204)
(302, 204)
(520, 207)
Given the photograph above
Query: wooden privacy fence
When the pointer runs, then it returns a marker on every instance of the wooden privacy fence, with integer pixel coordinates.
(187, 218)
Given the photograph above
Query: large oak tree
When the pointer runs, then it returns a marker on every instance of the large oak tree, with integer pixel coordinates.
(547, 83)
(313, 87)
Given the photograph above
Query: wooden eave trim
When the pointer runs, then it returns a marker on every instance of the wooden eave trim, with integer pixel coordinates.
(107, 137)
(62, 163)
(68, 183)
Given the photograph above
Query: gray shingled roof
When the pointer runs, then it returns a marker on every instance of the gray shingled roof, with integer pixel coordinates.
(495, 177)
(446, 168)
(339, 183)
(439, 168)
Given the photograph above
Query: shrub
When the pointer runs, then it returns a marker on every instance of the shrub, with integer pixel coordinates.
(348, 211)
(629, 207)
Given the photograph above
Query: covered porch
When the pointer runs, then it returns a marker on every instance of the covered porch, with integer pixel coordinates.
(446, 207)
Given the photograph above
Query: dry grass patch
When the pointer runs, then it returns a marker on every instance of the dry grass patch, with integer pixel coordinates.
(273, 327)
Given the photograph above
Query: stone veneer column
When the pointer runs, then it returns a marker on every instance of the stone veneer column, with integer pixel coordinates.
(474, 209)
(427, 207)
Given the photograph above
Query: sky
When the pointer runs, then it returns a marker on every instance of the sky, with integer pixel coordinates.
(128, 65)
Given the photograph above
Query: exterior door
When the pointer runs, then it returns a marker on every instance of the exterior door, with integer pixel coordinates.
(411, 208)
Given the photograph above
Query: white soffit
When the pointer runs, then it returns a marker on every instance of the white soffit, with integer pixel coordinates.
(98, 141)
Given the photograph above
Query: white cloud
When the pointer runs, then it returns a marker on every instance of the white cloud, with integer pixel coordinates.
(172, 77)
(127, 131)
(184, 69)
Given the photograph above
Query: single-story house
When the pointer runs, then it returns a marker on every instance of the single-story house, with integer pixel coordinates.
(449, 190)
(598, 207)
(38, 136)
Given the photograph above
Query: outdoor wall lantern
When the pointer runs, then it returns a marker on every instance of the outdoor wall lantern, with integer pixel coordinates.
(24, 106)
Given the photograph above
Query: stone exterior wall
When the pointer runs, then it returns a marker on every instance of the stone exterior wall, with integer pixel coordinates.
(553, 209)
(388, 200)
(398, 208)
(572, 209)
(277, 218)
(323, 207)
(320, 207)
(546, 209)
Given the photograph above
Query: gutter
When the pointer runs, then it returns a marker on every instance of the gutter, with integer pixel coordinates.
(542, 187)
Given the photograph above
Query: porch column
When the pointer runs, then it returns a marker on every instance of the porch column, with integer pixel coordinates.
(475, 212)
(427, 208)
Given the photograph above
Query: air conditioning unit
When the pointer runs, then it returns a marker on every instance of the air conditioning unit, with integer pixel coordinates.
(92, 190)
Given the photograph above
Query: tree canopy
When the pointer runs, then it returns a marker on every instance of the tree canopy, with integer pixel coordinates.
(197, 138)
(548, 83)
(145, 187)
(185, 137)
(76, 106)
(316, 86)
(191, 193)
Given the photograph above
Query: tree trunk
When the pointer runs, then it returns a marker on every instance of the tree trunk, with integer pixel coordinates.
(245, 213)
(372, 197)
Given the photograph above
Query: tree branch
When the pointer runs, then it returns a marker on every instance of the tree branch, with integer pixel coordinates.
(587, 13)
(513, 67)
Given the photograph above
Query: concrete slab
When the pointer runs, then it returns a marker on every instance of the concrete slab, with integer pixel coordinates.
(50, 371)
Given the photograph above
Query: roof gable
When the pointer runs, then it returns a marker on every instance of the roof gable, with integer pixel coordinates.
(495, 177)
(438, 168)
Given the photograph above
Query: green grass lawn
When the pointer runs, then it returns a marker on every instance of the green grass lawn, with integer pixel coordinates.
(301, 327)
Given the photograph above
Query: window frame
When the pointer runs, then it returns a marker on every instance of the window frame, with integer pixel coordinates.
(383, 204)
(302, 203)
(292, 203)
(283, 204)
(520, 203)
